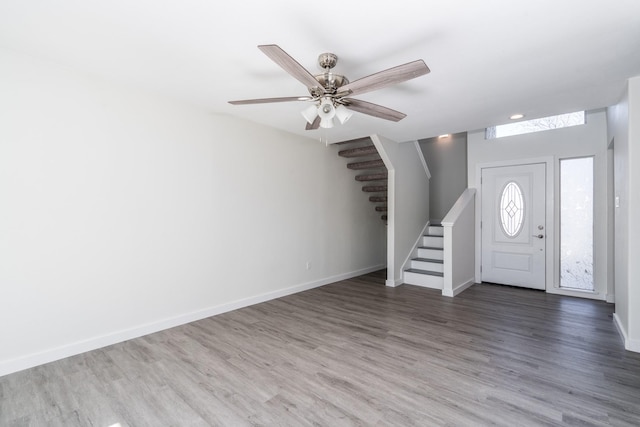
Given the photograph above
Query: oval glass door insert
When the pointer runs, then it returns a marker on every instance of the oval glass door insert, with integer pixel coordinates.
(512, 209)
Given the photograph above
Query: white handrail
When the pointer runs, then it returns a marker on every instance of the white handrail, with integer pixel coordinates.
(458, 207)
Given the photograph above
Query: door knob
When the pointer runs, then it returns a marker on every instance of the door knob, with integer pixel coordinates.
(539, 236)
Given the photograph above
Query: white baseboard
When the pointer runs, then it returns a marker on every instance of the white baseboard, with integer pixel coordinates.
(463, 286)
(633, 345)
(61, 352)
(629, 344)
(394, 283)
(459, 288)
(620, 328)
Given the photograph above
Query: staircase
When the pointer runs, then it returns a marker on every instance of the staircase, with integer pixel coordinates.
(370, 168)
(426, 269)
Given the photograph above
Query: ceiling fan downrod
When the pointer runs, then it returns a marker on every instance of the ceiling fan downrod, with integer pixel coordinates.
(328, 81)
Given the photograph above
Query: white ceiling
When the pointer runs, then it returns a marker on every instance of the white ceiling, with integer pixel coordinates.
(488, 59)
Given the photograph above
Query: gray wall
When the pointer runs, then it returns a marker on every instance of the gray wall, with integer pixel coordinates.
(447, 161)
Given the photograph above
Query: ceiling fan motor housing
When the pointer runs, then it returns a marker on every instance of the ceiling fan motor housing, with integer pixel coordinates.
(331, 82)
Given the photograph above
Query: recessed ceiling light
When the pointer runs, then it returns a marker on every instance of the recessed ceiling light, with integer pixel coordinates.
(446, 135)
(516, 116)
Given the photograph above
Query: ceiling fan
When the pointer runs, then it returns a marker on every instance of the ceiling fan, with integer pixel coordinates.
(330, 93)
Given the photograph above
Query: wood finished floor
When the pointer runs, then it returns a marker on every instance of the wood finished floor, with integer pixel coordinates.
(352, 353)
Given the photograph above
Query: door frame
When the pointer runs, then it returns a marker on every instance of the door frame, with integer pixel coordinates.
(550, 241)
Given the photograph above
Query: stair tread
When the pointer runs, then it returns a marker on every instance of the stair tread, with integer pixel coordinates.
(375, 188)
(370, 164)
(373, 177)
(364, 139)
(430, 247)
(378, 199)
(437, 261)
(426, 272)
(434, 235)
(363, 151)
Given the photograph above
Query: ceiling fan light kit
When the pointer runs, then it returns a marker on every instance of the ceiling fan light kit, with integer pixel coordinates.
(327, 112)
(310, 113)
(343, 114)
(329, 92)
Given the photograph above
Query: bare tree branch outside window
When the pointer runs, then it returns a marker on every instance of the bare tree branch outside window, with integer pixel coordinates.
(536, 125)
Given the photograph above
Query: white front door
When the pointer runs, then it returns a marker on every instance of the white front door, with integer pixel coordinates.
(513, 225)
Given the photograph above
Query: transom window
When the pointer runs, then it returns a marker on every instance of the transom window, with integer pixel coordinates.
(536, 125)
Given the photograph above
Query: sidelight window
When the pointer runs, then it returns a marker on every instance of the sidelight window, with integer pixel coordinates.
(576, 223)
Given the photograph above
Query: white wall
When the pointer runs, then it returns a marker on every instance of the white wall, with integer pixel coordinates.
(459, 244)
(618, 119)
(624, 131)
(408, 202)
(634, 214)
(586, 140)
(125, 213)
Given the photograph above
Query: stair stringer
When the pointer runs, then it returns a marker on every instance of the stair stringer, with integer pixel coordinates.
(426, 266)
(414, 253)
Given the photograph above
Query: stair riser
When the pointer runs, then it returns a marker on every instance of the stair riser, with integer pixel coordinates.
(430, 253)
(435, 231)
(429, 266)
(433, 241)
(433, 282)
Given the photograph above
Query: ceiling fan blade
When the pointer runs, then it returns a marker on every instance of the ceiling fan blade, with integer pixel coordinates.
(387, 77)
(268, 100)
(374, 110)
(289, 64)
(314, 125)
